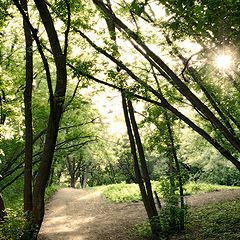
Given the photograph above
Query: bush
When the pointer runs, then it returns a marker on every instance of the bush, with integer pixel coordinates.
(193, 188)
(13, 225)
(50, 190)
(122, 192)
(15, 222)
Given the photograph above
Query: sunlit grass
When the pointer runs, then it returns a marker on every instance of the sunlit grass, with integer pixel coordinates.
(130, 192)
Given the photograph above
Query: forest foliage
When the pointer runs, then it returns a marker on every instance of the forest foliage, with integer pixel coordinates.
(60, 59)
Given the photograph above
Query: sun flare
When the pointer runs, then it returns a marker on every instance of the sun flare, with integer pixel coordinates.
(223, 61)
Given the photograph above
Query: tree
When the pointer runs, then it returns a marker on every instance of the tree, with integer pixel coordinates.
(231, 142)
(56, 99)
(28, 116)
(163, 139)
(141, 170)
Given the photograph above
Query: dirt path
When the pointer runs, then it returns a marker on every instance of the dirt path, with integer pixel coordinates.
(83, 215)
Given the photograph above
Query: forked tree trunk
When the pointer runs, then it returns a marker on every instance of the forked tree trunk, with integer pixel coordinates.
(56, 111)
(144, 167)
(152, 214)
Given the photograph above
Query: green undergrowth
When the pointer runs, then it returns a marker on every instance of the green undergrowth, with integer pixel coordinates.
(215, 221)
(220, 221)
(15, 220)
(123, 192)
(50, 191)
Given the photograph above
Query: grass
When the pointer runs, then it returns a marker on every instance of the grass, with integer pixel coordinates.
(215, 221)
(219, 221)
(130, 192)
(193, 188)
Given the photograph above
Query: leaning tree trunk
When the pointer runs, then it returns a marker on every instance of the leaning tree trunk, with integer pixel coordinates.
(148, 204)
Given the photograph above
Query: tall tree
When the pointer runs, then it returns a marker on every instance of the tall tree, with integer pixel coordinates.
(28, 114)
(141, 171)
(56, 100)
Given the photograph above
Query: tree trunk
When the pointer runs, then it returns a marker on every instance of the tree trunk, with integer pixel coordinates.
(85, 177)
(142, 159)
(28, 115)
(178, 170)
(45, 169)
(27, 196)
(2, 209)
(56, 111)
(155, 226)
(72, 182)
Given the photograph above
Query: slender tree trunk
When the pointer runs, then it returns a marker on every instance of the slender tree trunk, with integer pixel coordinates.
(155, 226)
(142, 159)
(27, 196)
(73, 182)
(178, 170)
(2, 209)
(85, 177)
(28, 116)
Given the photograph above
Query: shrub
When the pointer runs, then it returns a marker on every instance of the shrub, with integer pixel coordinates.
(13, 226)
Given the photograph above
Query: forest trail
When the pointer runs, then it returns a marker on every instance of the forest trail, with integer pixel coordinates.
(75, 214)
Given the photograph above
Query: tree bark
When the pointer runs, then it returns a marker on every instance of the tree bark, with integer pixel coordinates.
(154, 227)
(85, 177)
(28, 115)
(73, 182)
(142, 159)
(178, 170)
(56, 111)
(2, 209)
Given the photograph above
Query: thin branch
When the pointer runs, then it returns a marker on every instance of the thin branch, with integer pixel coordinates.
(80, 124)
(68, 27)
(76, 146)
(74, 94)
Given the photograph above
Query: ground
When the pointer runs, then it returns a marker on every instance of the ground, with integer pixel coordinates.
(75, 214)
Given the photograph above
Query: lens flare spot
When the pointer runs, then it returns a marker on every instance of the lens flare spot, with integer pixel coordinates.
(223, 61)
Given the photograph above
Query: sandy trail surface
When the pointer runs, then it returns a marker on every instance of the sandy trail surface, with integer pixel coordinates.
(75, 214)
